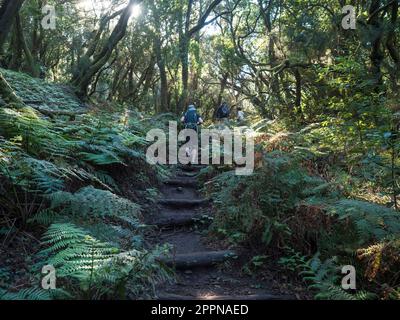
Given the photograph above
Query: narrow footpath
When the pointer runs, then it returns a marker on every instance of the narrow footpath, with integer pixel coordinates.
(202, 271)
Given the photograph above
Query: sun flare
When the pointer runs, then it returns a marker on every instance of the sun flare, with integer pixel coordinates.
(104, 5)
(136, 11)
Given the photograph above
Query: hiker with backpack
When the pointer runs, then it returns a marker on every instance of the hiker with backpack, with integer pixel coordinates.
(191, 119)
(223, 113)
(240, 115)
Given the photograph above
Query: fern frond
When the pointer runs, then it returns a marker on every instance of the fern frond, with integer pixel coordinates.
(44, 217)
(94, 202)
(98, 265)
(373, 222)
(73, 252)
(26, 294)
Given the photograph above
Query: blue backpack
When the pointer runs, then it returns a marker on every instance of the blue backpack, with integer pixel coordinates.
(191, 119)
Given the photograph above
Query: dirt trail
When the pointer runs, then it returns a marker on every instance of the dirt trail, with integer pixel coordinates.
(202, 272)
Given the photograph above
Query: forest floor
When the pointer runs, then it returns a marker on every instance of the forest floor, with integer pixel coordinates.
(205, 268)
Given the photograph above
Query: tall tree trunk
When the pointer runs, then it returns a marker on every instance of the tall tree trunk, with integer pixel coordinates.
(163, 75)
(266, 13)
(149, 74)
(184, 43)
(184, 55)
(391, 39)
(391, 45)
(186, 34)
(299, 90)
(376, 55)
(32, 66)
(297, 76)
(15, 62)
(8, 12)
(37, 34)
(196, 73)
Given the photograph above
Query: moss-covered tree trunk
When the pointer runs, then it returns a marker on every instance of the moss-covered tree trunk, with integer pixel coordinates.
(31, 65)
(8, 95)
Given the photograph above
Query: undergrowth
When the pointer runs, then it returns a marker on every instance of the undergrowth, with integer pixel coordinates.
(60, 175)
(300, 207)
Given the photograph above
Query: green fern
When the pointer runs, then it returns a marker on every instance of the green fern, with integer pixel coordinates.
(100, 269)
(104, 158)
(37, 136)
(35, 294)
(74, 252)
(372, 221)
(323, 278)
(44, 217)
(117, 235)
(26, 294)
(93, 202)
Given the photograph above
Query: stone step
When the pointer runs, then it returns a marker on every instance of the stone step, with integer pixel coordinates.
(175, 220)
(191, 168)
(181, 183)
(187, 174)
(183, 203)
(197, 259)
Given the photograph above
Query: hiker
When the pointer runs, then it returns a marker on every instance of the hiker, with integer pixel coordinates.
(240, 115)
(222, 114)
(223, 111)
(191, 120)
